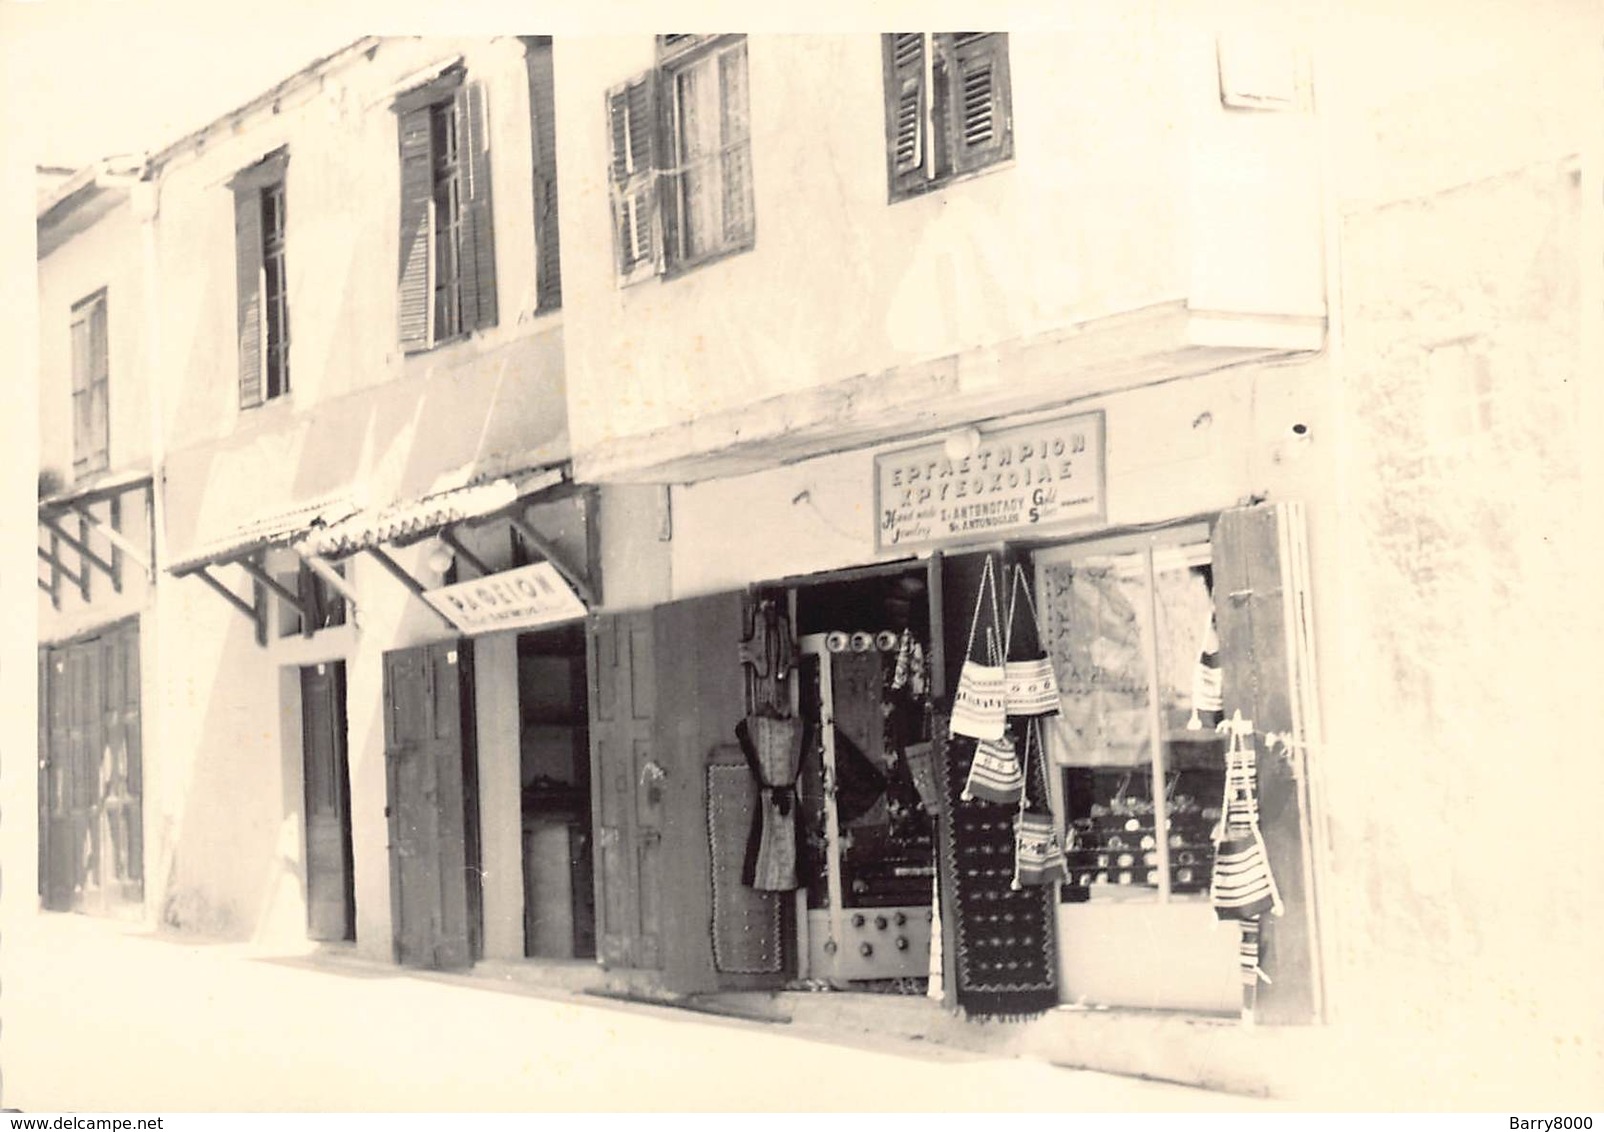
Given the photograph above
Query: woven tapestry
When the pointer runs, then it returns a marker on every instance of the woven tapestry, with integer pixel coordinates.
(1002, 940)
(746, 923)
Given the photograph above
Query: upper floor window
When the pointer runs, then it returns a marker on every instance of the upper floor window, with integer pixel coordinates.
(447, 252)
(682, 157)
(90, 418)
(947, 107)
(263, 304)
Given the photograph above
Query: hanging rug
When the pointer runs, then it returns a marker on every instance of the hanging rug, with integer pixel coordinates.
(1003, 939)
(746, 922)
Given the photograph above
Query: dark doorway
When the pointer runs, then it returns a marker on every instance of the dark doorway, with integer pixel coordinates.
(330, 887)
(554, 755)
(431, 780)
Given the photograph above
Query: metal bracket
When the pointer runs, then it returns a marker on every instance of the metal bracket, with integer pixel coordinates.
(412, 585)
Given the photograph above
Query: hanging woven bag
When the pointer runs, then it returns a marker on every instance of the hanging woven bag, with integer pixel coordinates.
(1242, 886)
(1038, 851)
(978, 707)
(1029, 686)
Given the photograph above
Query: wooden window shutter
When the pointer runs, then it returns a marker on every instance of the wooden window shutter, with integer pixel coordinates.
(907, 110)
(632, 124)
(1262, 614)
(543, 146)
(99, 387)
(980, 113)
(416, 291)
(248, 294)
(80, 391)
(479, 246)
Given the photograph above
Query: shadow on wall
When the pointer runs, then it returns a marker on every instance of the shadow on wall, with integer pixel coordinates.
(234, 862)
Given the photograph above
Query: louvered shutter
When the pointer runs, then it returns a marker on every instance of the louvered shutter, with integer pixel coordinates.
(632, 127)
(99, 388)
(478, 235)
(982, 129)
(543, 144)
(80, 391)
(248, 293)
(417, 208)
(907, 110)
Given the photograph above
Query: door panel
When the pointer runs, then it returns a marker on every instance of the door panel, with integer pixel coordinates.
(431, 913)
(91, 829)
(330, 905)
(622, 744)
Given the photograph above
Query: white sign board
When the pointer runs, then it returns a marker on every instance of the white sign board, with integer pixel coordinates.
(1036, 475)
(513, 599)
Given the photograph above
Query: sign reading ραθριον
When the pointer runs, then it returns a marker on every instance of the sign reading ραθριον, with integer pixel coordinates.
(1038, 475)
(512, 599)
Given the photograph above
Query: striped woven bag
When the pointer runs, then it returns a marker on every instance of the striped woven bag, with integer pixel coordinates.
(1030, 688)
(978, 707)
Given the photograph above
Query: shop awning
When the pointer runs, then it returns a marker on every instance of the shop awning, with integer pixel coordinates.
(72, 520)
(402, 524)
(440, 514)
(264, 532)
(244, 545)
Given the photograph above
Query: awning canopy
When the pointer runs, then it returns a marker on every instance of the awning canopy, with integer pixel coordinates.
(407, 522)
(334, 529)
(263, 532)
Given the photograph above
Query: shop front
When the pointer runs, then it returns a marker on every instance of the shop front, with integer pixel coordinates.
(863, 837)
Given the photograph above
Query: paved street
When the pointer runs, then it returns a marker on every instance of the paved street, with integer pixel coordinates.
(99, 1017)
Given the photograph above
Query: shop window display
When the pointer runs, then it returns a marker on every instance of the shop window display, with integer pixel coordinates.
(1128, 625)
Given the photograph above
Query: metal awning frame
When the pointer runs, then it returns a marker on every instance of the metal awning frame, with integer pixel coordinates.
(512, 515)
(53, 510)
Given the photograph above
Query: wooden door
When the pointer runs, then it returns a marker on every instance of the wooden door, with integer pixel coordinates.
(627, 790)
(91, 828)
(428, 750)
(330, 887)
(120, 770)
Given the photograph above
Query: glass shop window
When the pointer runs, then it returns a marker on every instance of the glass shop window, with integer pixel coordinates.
(1129, 625)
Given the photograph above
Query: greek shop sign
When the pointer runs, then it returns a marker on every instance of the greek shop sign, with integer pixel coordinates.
(1037, 475)
(512, 599)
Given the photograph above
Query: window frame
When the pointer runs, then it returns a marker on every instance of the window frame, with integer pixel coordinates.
(91, 312)
(1149, 546)
(938, 118)
(256, 187)
(275, 331)
(450, 113)
(659, 187)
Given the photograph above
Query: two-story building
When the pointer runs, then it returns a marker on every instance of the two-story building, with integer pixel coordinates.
(1227, 339)
(617, 604)
(96, 520)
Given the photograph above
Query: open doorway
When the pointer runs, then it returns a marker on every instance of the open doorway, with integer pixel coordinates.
(554, 756)
(330, 886)
(865, 689)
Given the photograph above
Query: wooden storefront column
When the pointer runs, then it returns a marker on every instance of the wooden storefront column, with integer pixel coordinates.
(1254, 592)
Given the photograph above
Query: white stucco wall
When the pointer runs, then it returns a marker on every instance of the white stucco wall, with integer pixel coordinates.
(110, 255)
(1128, 176)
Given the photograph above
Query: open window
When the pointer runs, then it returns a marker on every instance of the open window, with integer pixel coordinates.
(947, 107)
(681, 165)
(447, 250)
(262, 291)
